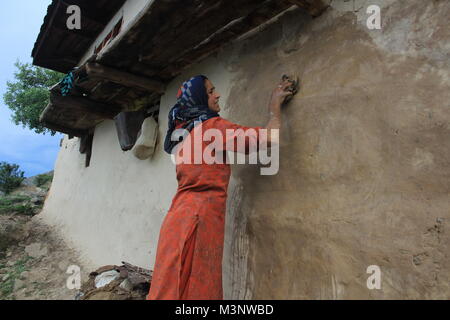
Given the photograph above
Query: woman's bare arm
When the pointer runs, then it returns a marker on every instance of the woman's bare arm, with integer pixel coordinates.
(278, 97)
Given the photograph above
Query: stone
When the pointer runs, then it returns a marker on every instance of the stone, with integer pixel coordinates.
(79, 295)
(103, 269)
(35, 275)
(36, 201)
(21, 294)
(36, 250)
(101, 295)
(18, 284)
(24, 274)
(18, 235)
(10, 263)
(42, 194)
(26, 234)
(29, 182)
(5, 277)
(105, 278)
(63, 266)
(126, 285)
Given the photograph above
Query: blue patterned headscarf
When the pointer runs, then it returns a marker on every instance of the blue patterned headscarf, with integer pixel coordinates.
(191, 106)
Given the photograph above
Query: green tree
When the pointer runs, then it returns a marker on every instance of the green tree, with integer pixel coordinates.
(10, 177)
(42, 179)
(28, 95)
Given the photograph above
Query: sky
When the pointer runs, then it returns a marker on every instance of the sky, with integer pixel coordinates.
(20, 23)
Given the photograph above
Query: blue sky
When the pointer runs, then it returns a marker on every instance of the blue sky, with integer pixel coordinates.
(20, 22)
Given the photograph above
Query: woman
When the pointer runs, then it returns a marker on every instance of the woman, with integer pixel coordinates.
(188, 262)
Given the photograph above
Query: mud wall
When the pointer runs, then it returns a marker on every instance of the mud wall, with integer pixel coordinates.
(364, 173)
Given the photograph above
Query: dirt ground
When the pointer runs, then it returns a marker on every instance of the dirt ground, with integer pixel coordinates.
(34, 260)
(37, 264)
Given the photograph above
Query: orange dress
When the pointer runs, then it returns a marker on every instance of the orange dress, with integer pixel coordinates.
(188, 263)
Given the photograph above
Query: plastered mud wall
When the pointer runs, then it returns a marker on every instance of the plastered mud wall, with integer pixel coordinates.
(364, 174)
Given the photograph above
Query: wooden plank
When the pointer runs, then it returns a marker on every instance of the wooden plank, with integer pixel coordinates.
(126, 79)
(60, 128)
(81, 34)
(221, 37)
(314, 7)
(55, 88)
(58, 60)
(164, 47)
(47, 29)
(86, 145)
(163, 27)
(85, 105)
(128, 125)
(47, 111)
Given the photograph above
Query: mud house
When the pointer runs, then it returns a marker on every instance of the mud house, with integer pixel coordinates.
(364, 175)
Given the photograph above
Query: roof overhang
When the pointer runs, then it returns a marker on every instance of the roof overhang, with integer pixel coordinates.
(133, 70)
(60, 49)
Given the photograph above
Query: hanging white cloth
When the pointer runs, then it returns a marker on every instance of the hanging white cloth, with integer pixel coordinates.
(146, 143)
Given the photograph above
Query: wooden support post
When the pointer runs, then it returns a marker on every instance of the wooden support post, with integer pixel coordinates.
(86, 145)
(126, 79)
(314, 7)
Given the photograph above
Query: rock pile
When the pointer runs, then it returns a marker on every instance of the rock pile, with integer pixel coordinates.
(126, 282)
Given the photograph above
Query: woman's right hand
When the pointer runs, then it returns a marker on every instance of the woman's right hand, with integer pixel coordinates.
(282, 91)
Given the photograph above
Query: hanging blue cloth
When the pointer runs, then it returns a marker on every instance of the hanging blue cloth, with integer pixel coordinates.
(191, 107)
(66, 84)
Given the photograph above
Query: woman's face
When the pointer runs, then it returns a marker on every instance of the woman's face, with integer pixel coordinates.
(213, 96)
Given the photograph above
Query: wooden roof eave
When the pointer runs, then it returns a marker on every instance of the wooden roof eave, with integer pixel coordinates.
(55, 40)
(85, 113)
(132, 61)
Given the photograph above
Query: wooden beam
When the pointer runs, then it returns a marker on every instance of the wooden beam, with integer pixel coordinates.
(78, 33)
(47, 29)
(219, 38)
(86, 146)
(62, 65)
(314, 7)
(55, 87)
(59, 128)
(43, 115)
(86, 105)
(126, 79)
